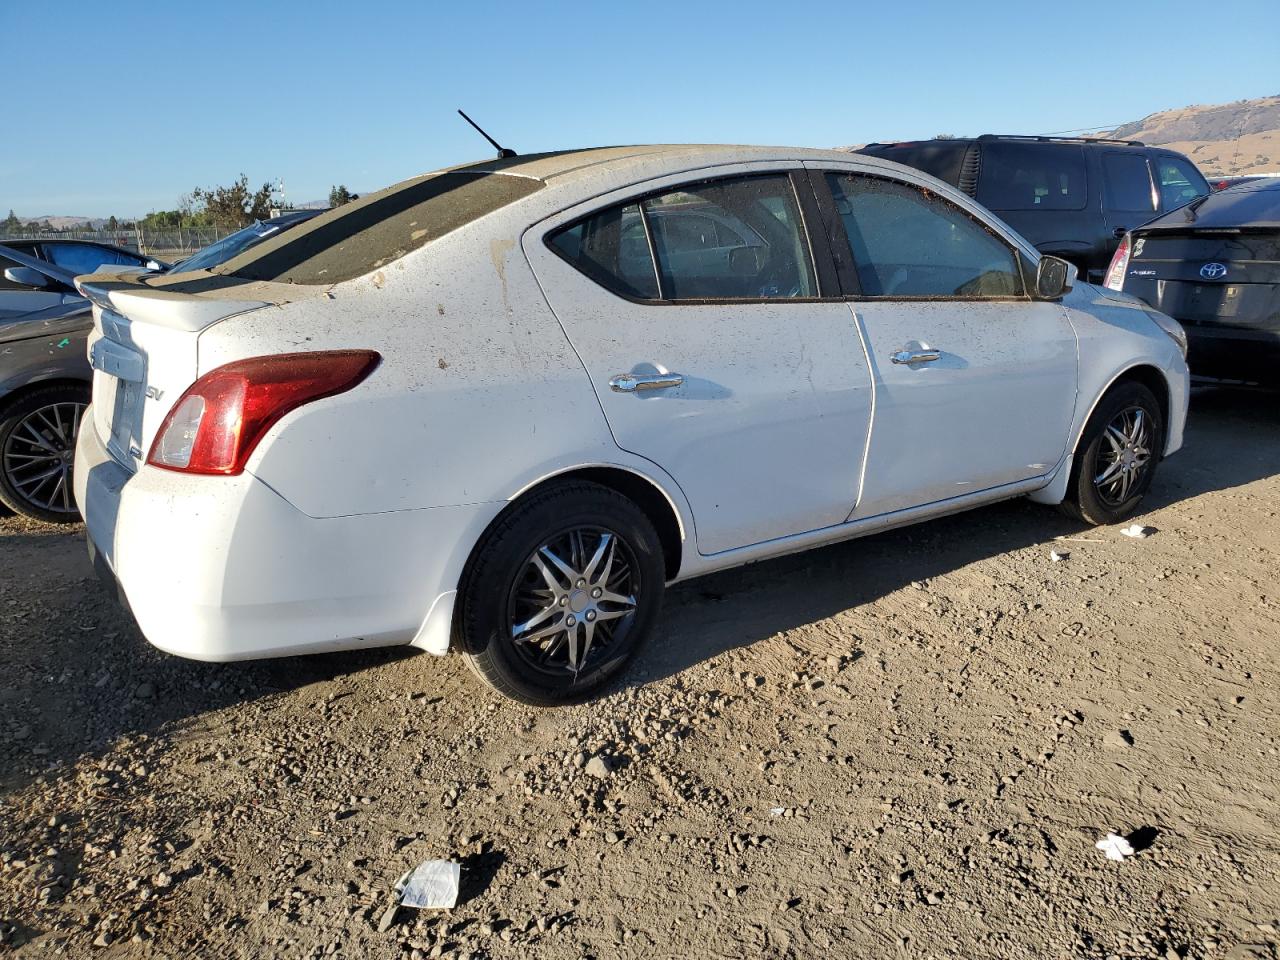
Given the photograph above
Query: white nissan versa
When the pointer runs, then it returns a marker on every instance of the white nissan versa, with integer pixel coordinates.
(498, 408)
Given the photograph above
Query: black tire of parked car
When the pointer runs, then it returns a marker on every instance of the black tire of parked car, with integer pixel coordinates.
(1084, 501)
(498, 571)
(13, 411)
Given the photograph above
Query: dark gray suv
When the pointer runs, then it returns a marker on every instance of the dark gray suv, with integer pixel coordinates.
(1073, 198)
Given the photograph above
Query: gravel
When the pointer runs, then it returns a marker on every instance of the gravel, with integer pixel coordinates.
(906, 745)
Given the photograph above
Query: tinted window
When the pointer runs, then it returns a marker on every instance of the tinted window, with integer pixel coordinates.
(79, 258)
(909, 242)
(1025, 176)
(938, 158)
(1128, 182)
(731, 240)
(611, 248)
(1179, 181)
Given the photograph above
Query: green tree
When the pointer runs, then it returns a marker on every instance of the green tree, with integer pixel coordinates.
(339, 195)
(112, 223)
(235, 206)
(11, 223)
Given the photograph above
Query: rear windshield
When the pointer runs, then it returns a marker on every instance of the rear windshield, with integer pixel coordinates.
(368, 233)
(1028, 176)
(1201, 248)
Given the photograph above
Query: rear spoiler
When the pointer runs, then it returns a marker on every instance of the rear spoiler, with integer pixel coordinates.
(123, 292)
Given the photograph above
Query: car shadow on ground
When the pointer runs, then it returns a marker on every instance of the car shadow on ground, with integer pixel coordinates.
(1232, 439)
(80, 676)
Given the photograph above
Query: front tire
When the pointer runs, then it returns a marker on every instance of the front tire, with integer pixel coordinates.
(561, 594)
(1116, 457)
(37, 452)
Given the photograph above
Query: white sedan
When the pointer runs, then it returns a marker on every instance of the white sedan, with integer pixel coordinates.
(497, 408)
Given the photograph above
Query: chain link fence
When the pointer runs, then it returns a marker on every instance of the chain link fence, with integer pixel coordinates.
(169, 245)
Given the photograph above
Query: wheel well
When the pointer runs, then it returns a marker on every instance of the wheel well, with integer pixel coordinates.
(644, 493)
(17, 393)
(648, 497)
(1153, 380)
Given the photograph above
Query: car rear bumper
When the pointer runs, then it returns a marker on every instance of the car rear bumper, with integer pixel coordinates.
(1226, 353)
(224, 568)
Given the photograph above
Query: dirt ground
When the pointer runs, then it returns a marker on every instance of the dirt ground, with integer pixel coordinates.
(903, 746)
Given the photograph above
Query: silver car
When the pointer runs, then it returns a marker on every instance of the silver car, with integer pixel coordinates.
(45, 383)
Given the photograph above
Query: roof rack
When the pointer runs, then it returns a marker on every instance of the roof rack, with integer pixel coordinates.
(1041, 139)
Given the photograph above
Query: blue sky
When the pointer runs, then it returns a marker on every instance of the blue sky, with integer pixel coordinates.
(123, 112)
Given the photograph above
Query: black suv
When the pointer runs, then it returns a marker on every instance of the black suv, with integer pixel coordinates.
(1071, 197)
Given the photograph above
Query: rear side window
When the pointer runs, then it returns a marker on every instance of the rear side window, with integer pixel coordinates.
(735, 239)
(938, 158)
(612, 249)
(1024, 176)
(1179, 182)
(358, 237)
(908, 242)
(1128, 182)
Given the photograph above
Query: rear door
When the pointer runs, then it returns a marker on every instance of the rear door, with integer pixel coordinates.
(1042, 191)
(718, 346)
(1129, 197)
(975, 382)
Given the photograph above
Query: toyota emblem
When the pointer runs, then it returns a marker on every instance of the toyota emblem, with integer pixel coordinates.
(1213, 271)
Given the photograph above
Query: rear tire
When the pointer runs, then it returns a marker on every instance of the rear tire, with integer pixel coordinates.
(37, 450)
(1116, 458)
(561, 594)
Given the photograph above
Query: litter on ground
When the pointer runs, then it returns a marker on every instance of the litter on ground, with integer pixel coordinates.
(431, 885)
(1138, 531)
(1116, 848)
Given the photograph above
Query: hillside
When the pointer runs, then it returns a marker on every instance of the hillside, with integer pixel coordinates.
(1223, 139)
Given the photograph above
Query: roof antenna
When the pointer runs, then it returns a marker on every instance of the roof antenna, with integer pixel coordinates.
(503, 152)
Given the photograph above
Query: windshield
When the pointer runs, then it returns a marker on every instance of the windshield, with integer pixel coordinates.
(228, 247)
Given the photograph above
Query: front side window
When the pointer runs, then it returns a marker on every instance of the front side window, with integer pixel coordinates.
(737, 239)
(907, 242)
(1028, 176)
(1128, 182)
(1180, 182)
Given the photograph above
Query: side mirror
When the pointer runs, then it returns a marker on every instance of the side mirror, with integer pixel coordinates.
(154, 265)
(1054, 278)
(26, 276)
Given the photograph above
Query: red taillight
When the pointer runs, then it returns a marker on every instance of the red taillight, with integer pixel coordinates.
(216, 424)
(1119, 264)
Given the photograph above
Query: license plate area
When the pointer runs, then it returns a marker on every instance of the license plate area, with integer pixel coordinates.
(118, 384)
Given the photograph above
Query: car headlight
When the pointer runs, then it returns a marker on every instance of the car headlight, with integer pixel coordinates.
(1173, 328)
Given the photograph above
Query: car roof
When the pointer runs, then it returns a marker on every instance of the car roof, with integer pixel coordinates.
(575, 164)
(1252, 204)
(1014, 138)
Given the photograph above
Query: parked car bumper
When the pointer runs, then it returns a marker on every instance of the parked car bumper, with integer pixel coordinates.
(1227, 353)
(224, 568)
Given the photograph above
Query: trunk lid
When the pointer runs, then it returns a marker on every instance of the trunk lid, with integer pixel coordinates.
(143, 349)
(1209, 277)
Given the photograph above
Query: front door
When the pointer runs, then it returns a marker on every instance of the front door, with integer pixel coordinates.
(975, 382)
(697, 312)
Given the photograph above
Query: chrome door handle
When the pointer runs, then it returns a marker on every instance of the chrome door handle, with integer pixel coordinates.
(916, 356)
(632, 382)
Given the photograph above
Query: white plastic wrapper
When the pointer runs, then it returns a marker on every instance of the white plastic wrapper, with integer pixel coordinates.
(1138, 531)
(431, 885)
(1116, 848)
